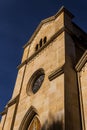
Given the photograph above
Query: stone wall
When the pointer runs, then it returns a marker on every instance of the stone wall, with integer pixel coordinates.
(83, 80)
(49, 100)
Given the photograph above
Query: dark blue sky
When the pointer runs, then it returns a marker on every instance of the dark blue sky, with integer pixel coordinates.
(18, 20)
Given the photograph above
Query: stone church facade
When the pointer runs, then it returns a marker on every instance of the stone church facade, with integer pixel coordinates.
(50, 92)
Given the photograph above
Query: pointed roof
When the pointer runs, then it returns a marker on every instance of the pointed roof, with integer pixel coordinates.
(52, 18)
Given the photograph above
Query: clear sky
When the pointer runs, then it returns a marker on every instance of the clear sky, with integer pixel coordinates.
(18, 20)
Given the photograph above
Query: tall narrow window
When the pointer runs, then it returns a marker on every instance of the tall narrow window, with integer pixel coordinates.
(36, 47)
(41, 43)
(45, 39)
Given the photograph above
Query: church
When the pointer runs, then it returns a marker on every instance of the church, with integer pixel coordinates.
(50, 91)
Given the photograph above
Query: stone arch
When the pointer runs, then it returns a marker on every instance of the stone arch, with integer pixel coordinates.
(29, 116)
(35, 124)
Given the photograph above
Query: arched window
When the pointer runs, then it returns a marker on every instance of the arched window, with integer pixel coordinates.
(45, 39)
(35, 82)
(41, 43)
(31, 120)
(36, 47)
(35, 124)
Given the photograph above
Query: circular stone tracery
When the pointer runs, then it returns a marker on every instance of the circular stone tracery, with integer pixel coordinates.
(35, 82)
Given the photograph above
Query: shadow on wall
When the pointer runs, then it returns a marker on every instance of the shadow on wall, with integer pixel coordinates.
(54, 122)
(55, 125)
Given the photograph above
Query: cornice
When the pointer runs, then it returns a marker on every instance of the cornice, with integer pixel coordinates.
(10, 103)
(4, 112)
(52, 18)
(54, 74)
(81, 62)
(13, 101)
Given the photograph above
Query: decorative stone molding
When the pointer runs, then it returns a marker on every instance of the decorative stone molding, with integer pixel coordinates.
(81, 62)
(56, 73)
(4, 112)
(84, 69)
(80, 68)
(11, 102)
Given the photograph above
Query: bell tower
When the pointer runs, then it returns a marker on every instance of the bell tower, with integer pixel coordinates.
(46, 94)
